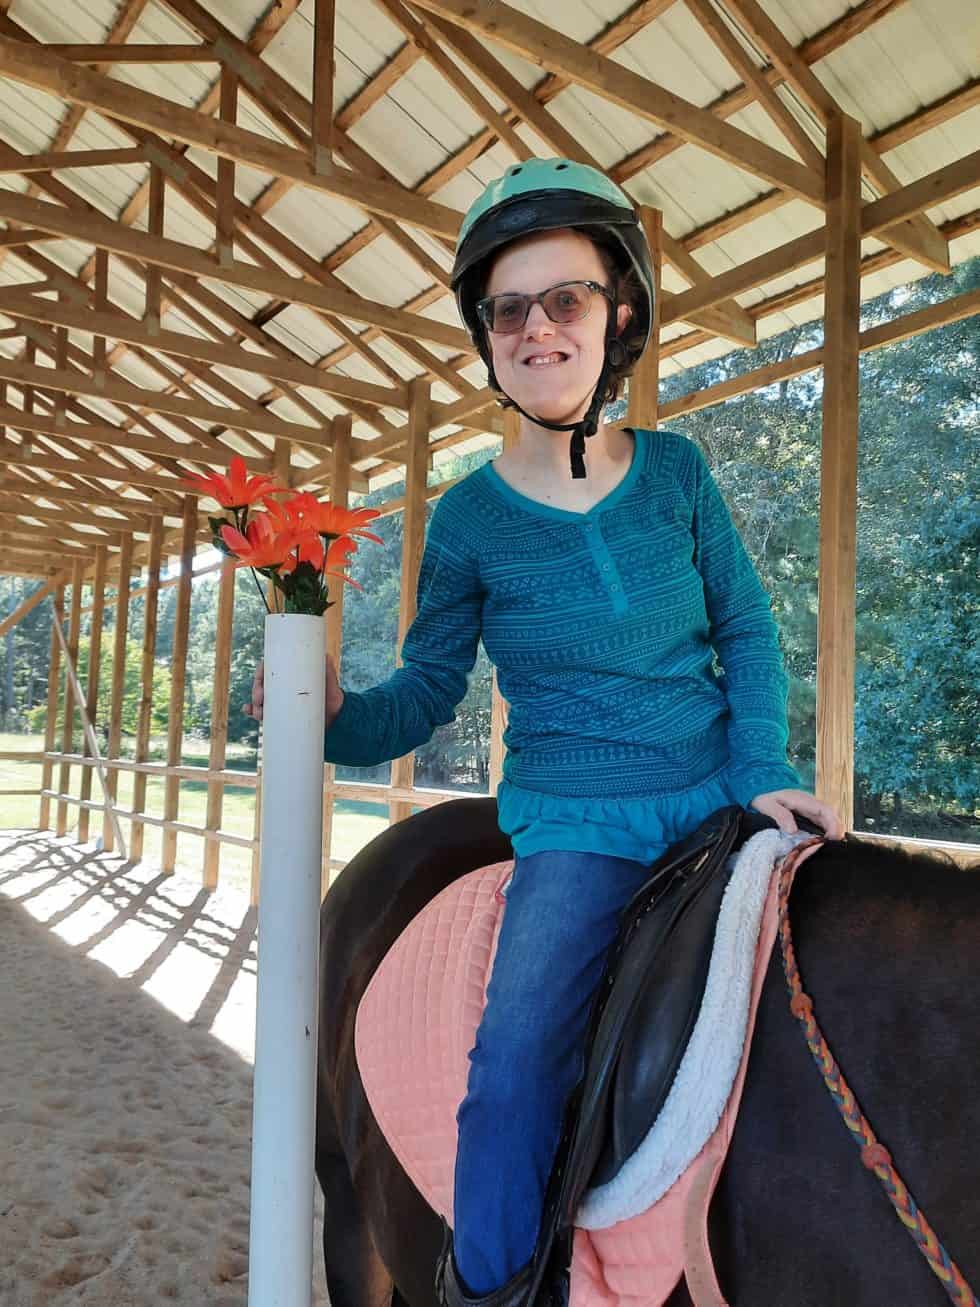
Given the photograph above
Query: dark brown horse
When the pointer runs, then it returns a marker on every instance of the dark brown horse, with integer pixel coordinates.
(888, 945)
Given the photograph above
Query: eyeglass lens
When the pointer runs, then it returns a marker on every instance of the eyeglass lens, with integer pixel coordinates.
(565, 303)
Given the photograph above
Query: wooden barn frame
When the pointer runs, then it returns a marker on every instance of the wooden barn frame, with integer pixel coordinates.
(126, 359)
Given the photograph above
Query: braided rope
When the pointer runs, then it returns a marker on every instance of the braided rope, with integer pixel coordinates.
(873, 1154)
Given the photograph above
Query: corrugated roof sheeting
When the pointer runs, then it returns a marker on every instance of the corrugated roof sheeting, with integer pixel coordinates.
(918, 52)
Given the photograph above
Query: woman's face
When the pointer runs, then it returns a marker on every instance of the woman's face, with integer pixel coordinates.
(551, 368)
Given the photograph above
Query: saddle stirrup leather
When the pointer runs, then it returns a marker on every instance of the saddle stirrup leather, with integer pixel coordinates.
(449, 1286)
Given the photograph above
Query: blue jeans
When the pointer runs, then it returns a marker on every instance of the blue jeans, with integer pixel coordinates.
(562, 915)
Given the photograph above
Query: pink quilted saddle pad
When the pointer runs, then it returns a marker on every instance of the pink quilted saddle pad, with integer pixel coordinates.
(415, 1025)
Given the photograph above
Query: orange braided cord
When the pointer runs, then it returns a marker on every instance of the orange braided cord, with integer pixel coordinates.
(873, 1154)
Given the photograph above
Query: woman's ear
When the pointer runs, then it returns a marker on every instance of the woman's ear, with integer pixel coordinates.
(623, 315)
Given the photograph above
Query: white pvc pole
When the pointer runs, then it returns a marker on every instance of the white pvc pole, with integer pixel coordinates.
(283, 1110)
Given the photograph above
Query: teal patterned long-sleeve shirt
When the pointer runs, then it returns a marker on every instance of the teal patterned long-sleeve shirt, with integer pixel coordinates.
(601, 626)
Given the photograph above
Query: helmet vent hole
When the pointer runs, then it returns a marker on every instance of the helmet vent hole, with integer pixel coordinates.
(515, 171)
(561, 167)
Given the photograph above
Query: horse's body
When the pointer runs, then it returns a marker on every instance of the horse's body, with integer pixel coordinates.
(888, 947)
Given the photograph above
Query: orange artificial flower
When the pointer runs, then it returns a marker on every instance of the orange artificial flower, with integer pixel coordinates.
(330, 519)
(311, 551)
(237, 489)
(261, 545)
(306, 548)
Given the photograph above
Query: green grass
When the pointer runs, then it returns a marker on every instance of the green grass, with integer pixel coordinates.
(354, 823)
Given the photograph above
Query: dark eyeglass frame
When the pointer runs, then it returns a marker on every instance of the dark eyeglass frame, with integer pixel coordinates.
(484, 307)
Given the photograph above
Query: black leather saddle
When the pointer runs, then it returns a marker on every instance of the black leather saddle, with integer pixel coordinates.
(640, 1023)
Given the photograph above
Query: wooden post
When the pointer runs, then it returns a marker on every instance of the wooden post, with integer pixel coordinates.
(413, 544)
(27, 401)
(145, 720)
(219, 719)
(644, 384)
(51, 716)
(61, 363)
(225, 208)
(178, 679)
(498, 704)
(101, 306)
(334, 616)
(94, 668)
(120, 634)
(838, 470)
(154, 226)
(67, 725)
(323, 79)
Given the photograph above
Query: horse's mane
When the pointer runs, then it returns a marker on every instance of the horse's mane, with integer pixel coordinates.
(900, 871)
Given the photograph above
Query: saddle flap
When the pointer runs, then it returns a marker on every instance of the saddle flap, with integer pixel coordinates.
(665, 1007)
(654, 985)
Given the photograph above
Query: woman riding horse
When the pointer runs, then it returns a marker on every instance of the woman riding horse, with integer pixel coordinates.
(601, 598)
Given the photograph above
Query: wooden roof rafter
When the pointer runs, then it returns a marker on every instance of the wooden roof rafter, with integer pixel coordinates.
(431, 27)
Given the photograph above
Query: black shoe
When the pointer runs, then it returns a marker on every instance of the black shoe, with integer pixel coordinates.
(451, 1290)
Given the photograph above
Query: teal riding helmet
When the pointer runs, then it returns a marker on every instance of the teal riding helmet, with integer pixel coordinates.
(545, 195)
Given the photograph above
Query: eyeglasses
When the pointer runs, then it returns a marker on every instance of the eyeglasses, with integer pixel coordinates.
(567, 302)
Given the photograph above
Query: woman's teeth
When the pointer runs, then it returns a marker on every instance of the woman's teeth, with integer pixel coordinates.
(542, 360)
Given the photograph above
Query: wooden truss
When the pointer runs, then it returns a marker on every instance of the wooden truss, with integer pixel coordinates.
(104, 409)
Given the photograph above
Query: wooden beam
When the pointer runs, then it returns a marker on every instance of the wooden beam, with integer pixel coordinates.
(116, 438)
(225, 197)
(178, 679)
(548, 48)
(92, 756)
(143, 508)
(27, 605)
(158, 199)
(823, 43)
(166, 253)
(74, 383)
(219, 717)
(935, 188)
(90, 467)
(77, 85)
(452, 73)
(919, 239)
(112, 323)
(101, 305)
(750, 73)
(321, 126)
(413, 543)
(70, 651)
(120, 636)
(51, 713)
(92, 685)
(838, 471)
(137, 53)
(889, 138)
(644, 384)
(144, 722)
(23, 236)
(55, 160)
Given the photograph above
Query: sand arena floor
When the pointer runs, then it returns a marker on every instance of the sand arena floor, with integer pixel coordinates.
(127, 1018)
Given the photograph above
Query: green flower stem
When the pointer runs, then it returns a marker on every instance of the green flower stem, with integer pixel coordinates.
(260, 590)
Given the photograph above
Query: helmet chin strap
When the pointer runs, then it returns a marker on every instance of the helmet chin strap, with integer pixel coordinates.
(615, 356)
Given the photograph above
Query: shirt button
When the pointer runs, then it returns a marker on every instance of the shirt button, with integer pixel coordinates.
(614, 586)
(605, 567)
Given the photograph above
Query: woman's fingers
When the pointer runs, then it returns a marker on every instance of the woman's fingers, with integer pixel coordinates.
(254, 709)
(821, 813)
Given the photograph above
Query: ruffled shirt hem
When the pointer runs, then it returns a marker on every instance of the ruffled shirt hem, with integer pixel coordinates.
(640, 829)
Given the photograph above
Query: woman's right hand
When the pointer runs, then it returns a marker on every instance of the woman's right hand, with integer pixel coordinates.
(333, 699)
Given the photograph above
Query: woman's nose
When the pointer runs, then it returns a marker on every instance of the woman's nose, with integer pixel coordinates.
(538, 322)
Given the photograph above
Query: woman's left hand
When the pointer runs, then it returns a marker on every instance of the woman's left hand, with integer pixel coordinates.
(781, 804)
